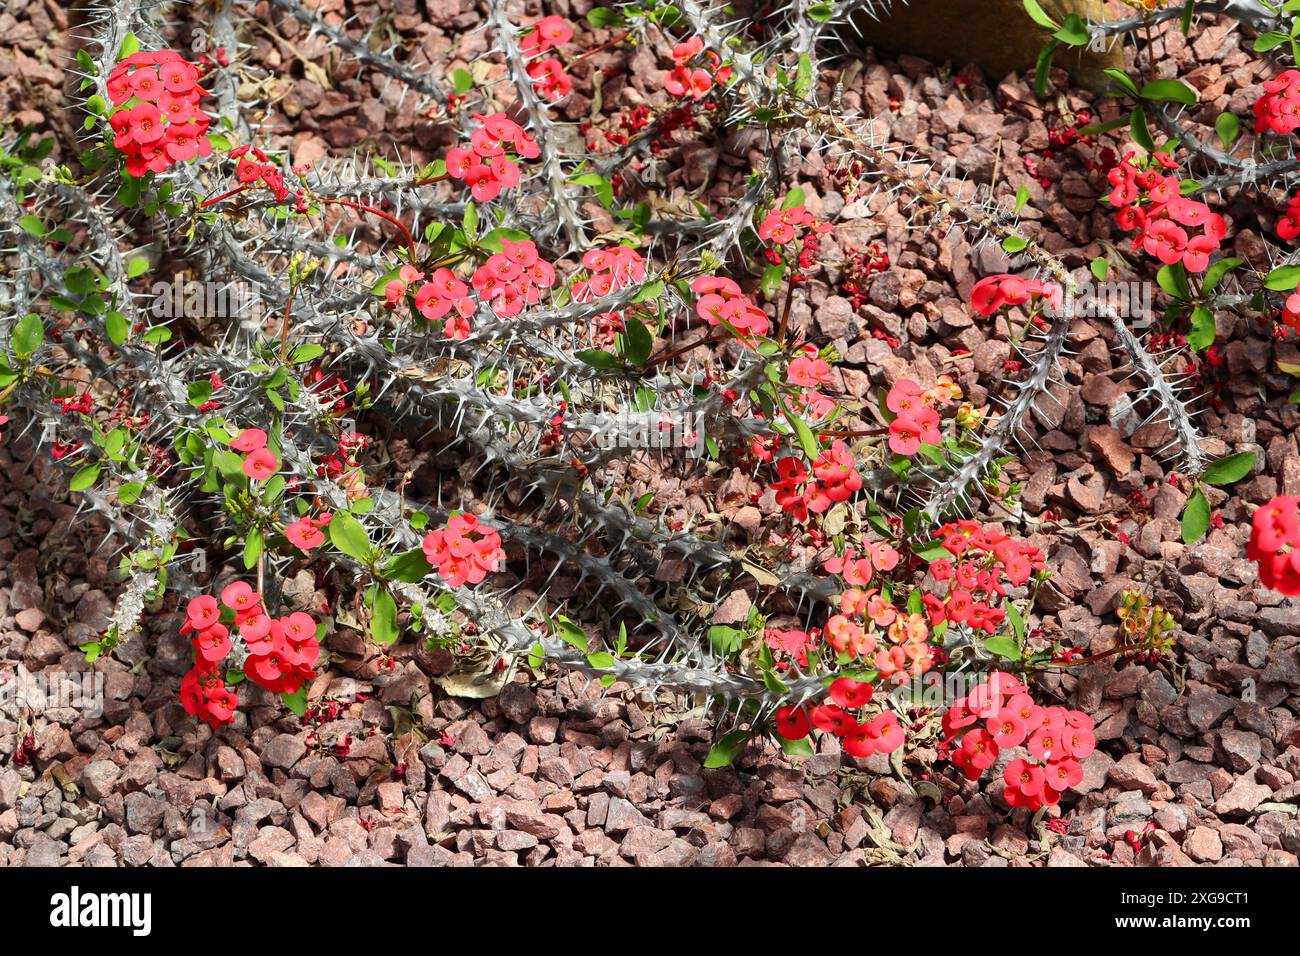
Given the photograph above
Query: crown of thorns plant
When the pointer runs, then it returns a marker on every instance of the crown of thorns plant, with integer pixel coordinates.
(567, 342)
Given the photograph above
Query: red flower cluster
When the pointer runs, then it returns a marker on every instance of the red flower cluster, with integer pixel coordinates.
(513, 278)
(916, 415)
(260, 462)
(881, 734)
(784, 225)
(720, 300)
(549, 78)
(464, 551)
(281, 653)
(834, 478)
(1001, 715)
(611, 269)
(1288, 227)
(685, 81)
(1275, 544)
(993, 292)
(485, 166)
(254, 167)
(1153, 204)
(157, 121)
(808, 370)
(1278, 110)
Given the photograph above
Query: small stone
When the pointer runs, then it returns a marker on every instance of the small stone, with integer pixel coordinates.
(30, 619)
(99, 778)
(1242, 797)
(283, 751)
(1203, 845)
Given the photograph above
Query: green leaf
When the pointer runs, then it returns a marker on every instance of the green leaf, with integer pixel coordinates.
(32, 225)
(600, 17)
(771, 279)
(409, 566)
(253, 545)
(1014, 243)
(297, 701)
(137, 267)
(84, 478)
(1141, 135)
(1039, 16)
(796, 748)
(305, 353)
(1073, 32)
(1196, 517)
(470, 221)
(1283, 279)
(724, 752)
(117, 327)
(1173, 279)
(462, 80)
(1175, 90)
(1268, 41)
(1043, 67)
(635, 341)
(1123, 81)
(725, 640)
(347, 534)
(570, 633)
(27, 336)
(1022, 197)
(1099, 268)
(597, 358)
(1231, 469)
(601, 186)
(130, 44)
(1227, 126)
(1003, 647)
(807, 440)
(601, 660)
(795, 197)
(383, 617)
(1214, 275)
(1203, 331)
(129, 492)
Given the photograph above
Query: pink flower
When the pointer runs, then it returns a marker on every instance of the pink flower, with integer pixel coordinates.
(808, 371)
(465, 551)
(1166, 241)
(250, 439)
(261, 464)
(305, 533)
(202, 612)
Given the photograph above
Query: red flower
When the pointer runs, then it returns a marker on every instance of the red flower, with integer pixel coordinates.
(464, 552)
(792, 723)
(261, 464)
(850, 693)
(202, 612)
(250, 439)
(832, 719)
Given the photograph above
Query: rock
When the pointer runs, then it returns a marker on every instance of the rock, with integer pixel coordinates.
(1132, 774)
(1242, 797)
(517, 702)
(30, 619)
(1203, 845)
(99, 778)
(283, 751)
(1238, 749)
(622, 816)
